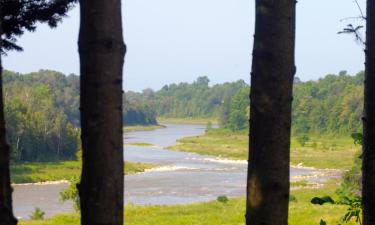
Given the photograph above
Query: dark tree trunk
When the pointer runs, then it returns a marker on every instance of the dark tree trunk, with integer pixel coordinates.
(272, 77)
(368, 167)
(6, 210)
(102, 51)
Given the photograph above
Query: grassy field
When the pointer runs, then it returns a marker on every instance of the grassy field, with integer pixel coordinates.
(188, 120)
(319, 152)
(55, 171)
(142, 128)
(302, 212)
(216, 142)
(139, 144)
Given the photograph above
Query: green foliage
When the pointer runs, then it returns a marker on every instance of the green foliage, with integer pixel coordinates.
(37, 214)
(292, 198)
(331, 105)
(239, 111)
(352, 180)
(184, 100)
(18, 16)
(354, 212)
(358, 138)
(302, 139)
(222, 198)
(42, 115)
(322, 200)
(38, 129)
(71, 193)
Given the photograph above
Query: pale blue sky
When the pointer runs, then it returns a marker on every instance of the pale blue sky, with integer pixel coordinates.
(179, 40)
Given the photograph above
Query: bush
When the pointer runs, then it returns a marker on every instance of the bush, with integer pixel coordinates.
(71, 193)
(292, 198)
(223, 199)
(37, 214)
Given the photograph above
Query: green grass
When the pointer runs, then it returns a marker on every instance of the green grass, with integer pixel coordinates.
(46, 171)
(131, 168)
(140, 144)
(216, 142)
(142, 128)
(319, 152)
(55, 171)
(188, 120)
(300, 183)
(302, 212)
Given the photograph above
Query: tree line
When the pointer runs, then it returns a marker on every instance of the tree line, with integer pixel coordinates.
(42, 115)
(331, 105)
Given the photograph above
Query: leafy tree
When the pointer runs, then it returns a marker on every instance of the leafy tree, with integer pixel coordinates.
(22, 15)
(272, 79)
(302, 139)
(239, 113)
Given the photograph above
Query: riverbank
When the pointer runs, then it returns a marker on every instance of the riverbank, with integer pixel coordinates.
(188, 120)
(58, 171)
(318, 152)
(142, 128)
(214, 212)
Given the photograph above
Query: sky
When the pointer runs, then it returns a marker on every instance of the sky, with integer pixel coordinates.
(172, 41)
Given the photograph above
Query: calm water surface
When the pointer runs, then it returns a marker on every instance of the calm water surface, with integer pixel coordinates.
(182, 177)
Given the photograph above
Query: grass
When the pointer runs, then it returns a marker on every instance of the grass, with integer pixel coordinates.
(55, 171)
(319, 152)
(188, 120)
(140, 144)
(216, 142)
(300, 183)
(302, 212)
(131, 168)
(142, 128)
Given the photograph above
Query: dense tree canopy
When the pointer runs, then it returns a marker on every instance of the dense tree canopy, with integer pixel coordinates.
(42, 115)
(38, 126)
(181, 100)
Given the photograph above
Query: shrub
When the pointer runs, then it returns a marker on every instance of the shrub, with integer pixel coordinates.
(37, 214)
(223, 199)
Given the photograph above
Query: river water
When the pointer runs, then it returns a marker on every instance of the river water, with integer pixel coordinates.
(181, 178)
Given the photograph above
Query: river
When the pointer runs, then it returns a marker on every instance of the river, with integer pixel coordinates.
(181, 178)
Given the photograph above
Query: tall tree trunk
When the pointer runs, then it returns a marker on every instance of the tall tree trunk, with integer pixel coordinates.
(102, 51)
(368, 167)
(6, 210)
(272, 77)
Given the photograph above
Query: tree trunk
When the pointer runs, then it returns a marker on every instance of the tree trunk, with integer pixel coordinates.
(271, 94)
(368, 166)
(6, 210)
(102, 51)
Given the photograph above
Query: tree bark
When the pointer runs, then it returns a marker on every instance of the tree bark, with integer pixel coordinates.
(102, 51)
(6, 210)
(368, 166)
(271, 94)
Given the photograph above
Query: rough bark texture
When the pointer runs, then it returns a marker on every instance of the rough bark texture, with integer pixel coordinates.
(368, 167)
(6, 210)
(272, 77)
(102, 51)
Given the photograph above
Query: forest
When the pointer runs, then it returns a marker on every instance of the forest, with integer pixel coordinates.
(41, 109)
(331, 105)
(42, 115)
